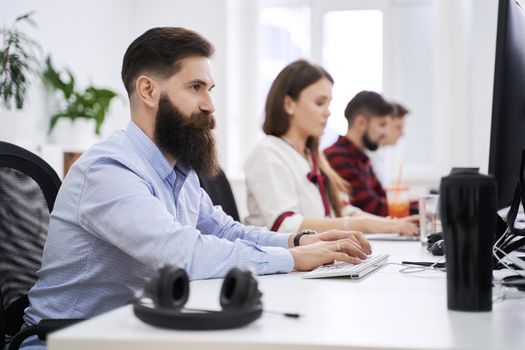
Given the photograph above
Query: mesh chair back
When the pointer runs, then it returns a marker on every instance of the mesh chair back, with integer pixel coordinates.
(220, 192)
(28, 188)
(23, 228)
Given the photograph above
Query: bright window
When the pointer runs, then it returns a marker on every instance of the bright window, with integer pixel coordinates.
(352, 52)
(285, 37)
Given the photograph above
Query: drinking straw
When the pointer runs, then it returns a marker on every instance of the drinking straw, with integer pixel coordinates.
(398, 180)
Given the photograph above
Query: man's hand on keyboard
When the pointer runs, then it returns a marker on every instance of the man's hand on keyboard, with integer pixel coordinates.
(333, 235)
(311, 256)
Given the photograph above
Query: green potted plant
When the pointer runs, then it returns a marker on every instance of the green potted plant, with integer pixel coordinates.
(18, 62)
(92, 103)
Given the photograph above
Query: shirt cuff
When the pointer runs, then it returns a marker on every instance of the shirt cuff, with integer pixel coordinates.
(269, 238)
(279, 261)
(277, 239)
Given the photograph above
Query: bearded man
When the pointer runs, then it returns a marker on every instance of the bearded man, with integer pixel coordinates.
(368, 115)
(133, 202)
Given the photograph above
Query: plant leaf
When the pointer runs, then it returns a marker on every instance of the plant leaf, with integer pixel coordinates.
(25, 17)
(18, 61)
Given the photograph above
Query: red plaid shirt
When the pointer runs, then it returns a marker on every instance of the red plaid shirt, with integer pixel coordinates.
(354, 166)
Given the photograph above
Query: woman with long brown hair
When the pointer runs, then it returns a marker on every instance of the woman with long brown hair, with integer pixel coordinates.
(290, 186)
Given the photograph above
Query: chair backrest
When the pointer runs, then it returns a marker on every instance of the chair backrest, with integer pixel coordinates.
(220, 192)
(28, 188)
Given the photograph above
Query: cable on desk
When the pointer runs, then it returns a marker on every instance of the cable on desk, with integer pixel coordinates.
(422, 266)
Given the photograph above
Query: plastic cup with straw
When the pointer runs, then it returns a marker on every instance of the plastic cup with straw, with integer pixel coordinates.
(398, 197)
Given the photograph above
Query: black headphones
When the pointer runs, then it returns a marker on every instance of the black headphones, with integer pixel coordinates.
(169, 290)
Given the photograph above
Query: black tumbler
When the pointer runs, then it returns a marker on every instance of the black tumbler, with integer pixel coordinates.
(468, 216)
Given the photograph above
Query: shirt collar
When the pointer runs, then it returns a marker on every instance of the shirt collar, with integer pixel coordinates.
(149, 151)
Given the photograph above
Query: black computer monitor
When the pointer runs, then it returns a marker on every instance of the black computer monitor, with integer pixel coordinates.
(507, 137)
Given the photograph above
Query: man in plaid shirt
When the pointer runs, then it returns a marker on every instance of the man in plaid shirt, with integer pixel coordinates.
(367, 114)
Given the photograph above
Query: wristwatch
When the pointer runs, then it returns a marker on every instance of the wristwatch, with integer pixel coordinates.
(297, 237)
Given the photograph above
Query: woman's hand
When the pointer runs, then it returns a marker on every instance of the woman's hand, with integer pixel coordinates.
(410, 218)
(405, 227)
(389, 225)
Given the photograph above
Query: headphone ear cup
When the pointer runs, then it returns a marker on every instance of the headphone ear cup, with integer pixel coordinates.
(438, 248)
(170, 288)
(239, 289)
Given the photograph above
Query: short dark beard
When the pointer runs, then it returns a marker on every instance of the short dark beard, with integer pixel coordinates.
(369, 144)
(188, 139)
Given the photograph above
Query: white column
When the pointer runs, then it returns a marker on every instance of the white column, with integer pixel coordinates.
(243, 117)
(484, 23)
(451, 83)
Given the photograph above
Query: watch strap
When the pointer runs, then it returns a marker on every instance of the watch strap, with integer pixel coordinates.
(297, 238)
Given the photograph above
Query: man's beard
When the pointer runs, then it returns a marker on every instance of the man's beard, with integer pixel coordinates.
(188, 139)
(368, 143)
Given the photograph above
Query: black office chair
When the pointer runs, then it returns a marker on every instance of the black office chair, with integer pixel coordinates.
(28, 189)
(220, 192)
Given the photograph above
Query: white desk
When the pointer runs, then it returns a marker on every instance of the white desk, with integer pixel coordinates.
(386, 310)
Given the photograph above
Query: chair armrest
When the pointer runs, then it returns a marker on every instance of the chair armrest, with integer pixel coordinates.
(42, 329)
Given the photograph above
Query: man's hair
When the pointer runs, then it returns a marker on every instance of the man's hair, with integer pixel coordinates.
(291, 81)
(398, 110)
(369, 104)
(159, 51)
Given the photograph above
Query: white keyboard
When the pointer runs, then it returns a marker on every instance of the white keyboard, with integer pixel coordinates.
(342, 269)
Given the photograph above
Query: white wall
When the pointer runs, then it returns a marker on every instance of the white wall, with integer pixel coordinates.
(464, 81)
(481, 80)
(88, 37)
(409, 60)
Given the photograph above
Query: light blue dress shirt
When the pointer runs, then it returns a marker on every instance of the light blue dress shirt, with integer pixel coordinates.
(122, 212)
